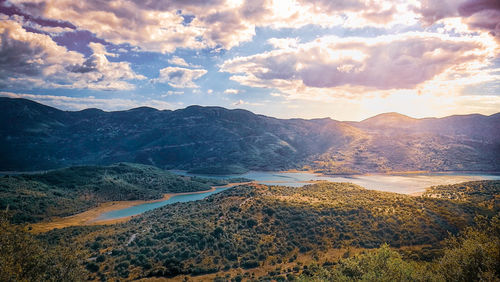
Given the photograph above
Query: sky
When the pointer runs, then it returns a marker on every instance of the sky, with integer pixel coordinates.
(344, 59)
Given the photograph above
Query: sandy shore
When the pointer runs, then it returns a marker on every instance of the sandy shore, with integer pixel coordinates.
(90, 217)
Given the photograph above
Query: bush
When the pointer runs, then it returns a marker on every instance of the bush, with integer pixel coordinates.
(250, 264)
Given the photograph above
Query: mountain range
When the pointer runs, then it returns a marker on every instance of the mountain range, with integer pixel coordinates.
(218, 140)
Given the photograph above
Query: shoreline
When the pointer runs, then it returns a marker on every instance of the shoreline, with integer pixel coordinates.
(393, 173)
(404, 172)
(90, 216)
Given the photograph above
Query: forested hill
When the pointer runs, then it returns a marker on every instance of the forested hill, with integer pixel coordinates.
(34, 136)
(34, 197)
(270, 231)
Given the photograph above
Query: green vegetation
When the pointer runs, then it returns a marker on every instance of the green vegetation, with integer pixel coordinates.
(474, 255)
(228, 169)
(34, 197)
(483, 193)
(24, 258)
(261, 227)
(320, 232)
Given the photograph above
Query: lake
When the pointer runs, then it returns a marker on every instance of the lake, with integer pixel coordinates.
(404, 184)
(135, 210)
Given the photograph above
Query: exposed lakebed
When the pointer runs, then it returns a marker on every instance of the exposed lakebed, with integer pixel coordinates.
(404, 184)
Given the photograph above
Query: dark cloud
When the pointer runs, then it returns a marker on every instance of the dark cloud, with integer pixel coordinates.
(17, 58)
(332, 6)
(88, 66)
(470, 7)
(10, 9)
(175, 74)
(78, 40)
(30, 60)
(482, 15)
(477, 14)
(278, 67)
(179, 77)
(255, 10)
(189, 5)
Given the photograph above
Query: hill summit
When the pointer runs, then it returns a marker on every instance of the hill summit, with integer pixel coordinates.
(36, 137)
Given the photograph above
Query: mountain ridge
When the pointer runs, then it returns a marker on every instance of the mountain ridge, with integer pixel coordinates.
(37, 136)
(147, 108)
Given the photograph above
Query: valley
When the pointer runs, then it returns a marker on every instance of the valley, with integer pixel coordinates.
(250, 141)
(254, 231)
(65, 192)
(93, 207)
(122, 211)
(207, 193)
(253, 227)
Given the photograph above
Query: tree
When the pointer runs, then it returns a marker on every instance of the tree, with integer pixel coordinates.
(24, 258)
(475, 254)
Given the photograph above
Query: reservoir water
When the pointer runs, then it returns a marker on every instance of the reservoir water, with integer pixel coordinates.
(404, 184)
(135, 210)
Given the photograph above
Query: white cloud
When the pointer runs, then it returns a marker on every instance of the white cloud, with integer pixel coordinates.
(242, 102)
(179, 77)
(283, 43)
(352, 66)
(231, 91)
(178, 61)
(76, 103)
(98, 48)
(170, 93)
(35, 60)
(161, 27)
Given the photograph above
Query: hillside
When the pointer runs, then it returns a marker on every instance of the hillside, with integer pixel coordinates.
(214, 139)
(481, 193)
(34, 197)
(267, 231)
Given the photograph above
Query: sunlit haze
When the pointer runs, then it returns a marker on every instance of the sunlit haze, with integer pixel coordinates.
(348, 60)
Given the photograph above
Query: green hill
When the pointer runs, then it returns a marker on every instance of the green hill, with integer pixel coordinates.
(482, 193)
(268, 231)
(33, 197)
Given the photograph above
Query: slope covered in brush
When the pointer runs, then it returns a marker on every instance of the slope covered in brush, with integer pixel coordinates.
(33, 197)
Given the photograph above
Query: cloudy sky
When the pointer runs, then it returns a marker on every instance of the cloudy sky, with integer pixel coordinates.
(345, 59)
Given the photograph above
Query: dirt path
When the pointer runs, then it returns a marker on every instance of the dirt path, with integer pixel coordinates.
(132, 238)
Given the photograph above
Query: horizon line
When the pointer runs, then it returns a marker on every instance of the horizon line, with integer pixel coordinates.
(241, 109)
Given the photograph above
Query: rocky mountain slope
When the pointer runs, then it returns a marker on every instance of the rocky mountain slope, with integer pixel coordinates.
(35, 137)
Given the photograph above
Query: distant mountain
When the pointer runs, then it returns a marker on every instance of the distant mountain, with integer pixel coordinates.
(36, 137)
(387, 120)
